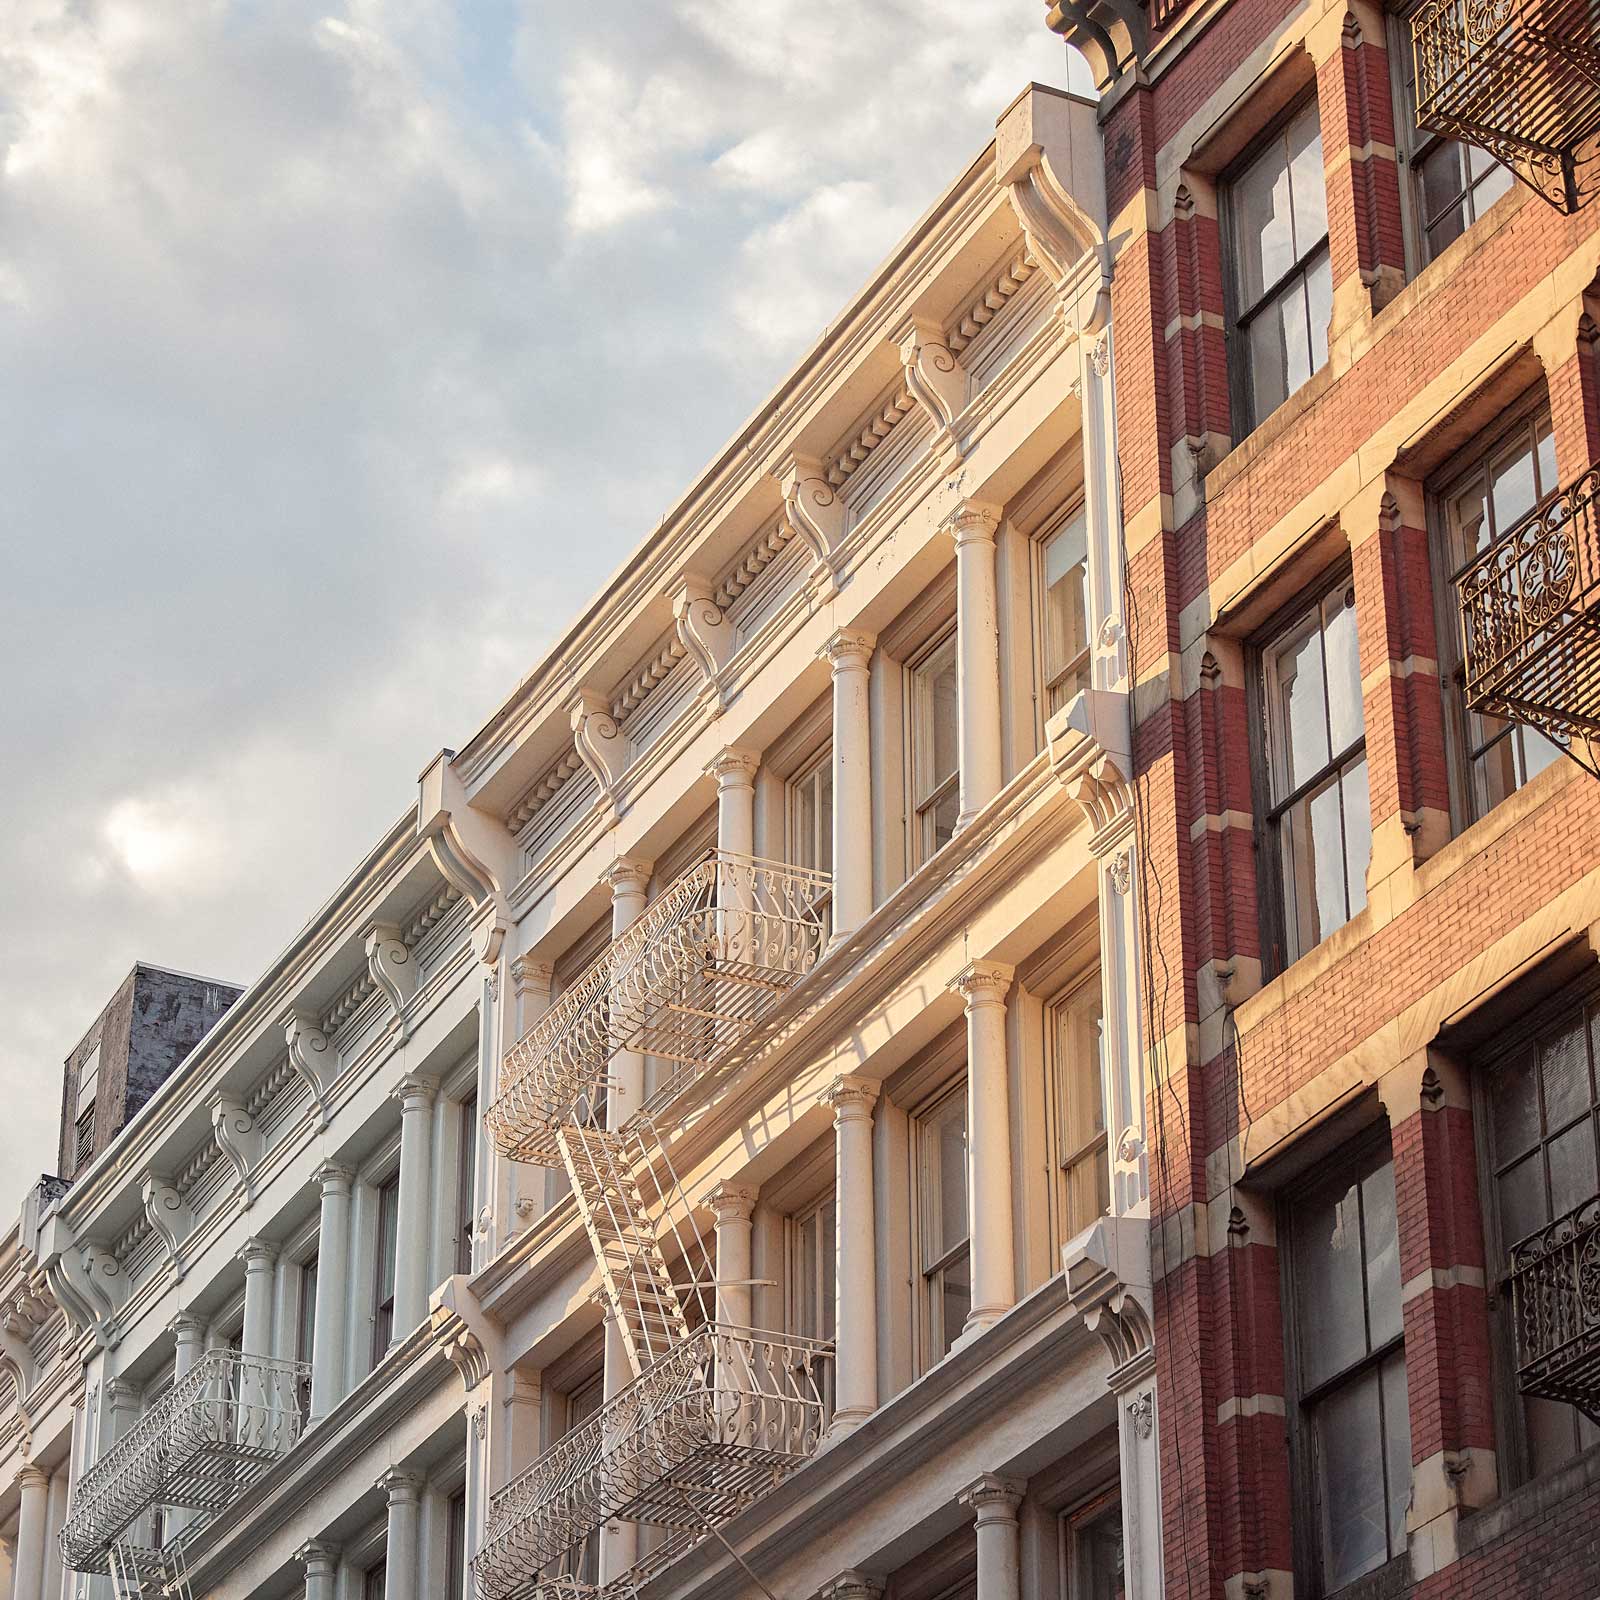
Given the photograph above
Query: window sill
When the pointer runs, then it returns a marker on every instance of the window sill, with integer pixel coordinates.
(1388, 1582)
(1268, 431)
(1512, 1512)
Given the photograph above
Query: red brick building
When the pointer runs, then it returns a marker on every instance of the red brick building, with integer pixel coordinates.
(1349, 356)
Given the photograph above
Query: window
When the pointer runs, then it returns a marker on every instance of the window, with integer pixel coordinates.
(83, 1109)
(1542, 1129)
(1352, 1429)
(1064, 584)
(583, 1562)
(456, 1548)
(1077, 1045)
(935, 749)
(1505, 477)
(1092, 1550)
(1316, 757)
(811, 814)
(1448, 186)
(942, 1223)
(305, 1329)
(1280, 283)
(813, 1262)
(375, 1580)
(83, 1140)
(388, 1243)
(466, 1174)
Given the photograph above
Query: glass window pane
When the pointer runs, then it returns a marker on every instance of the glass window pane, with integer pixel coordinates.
(1552, 1438)
(1396, 1447)
(1322, 836)
(1514, 1105)
(1269, 357)
(1355, 1510)
(1264, 231)
(944, 1206)
(1066, 619)
(1097, 1558)
(1443, 178)
(830, 1258)
(955, 1294)
(1535, 753)
(1301, 732)
(945, 720)
(1470, 524)
(1329, 1276)
(1343, 650)
(1319, 303)
(1512, 483)
(1294, 315)
(1357, 837)
(1545, 453)
(1382, 1255)
(1572, 1171)
(1523, 1206)
(1564, 1075)
(1306, 180)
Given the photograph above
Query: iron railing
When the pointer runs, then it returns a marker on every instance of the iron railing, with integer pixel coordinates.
(1529, 623)
(1555, 1309)
(685, 984)
(1520, 79)
(194, 1453)
(705, 1431)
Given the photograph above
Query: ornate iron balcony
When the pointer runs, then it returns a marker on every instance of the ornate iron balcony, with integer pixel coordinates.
(1529, 625)
(1520, 79)
(194, 1453)
(687, 983)
(707, 1430)
(1555, 1309)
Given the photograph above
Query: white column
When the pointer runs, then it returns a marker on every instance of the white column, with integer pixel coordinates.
(260, 1264)
(849, 655)
(189, 1336)
(333, 1273)
(735, 772)
(55, 1517)
(982, 985)
(733, 1204)
(977, 657)
(856, 1254)
(994, 1502)
(852, 1585)
(628, 879)
(123, 1405)
(518, 1186)
(619, 1541)
(321, 1564)
(402, 1553)
(414, 1202)
(32, 1521)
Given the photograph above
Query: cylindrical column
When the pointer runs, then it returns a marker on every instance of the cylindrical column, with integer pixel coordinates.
(189, 1336)
(977, 658)
(849, 654)
(333, 1272)
(994, 1502)
(32, 1520)
(982, 985)
(518, 1186)
(414, 1202)
(735, 772)
(123, 1405)
(856, 1254)
(732, 1204)
(55, 1517)
(321, 1564)
(401, 1554)
(260, 1263)
(628, 880)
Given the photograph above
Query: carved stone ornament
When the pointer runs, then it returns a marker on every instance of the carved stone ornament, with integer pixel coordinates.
(393, 968)
(1108, 1282)
(237, 1138)
(312, 1056)
(813, 509)
(1120, 871)
(598, 740)
(1100, 355)
(703, 627)
(460, 1346)
(934, 377)
(1142, 1413)
(1090, 745)
(169, 1216)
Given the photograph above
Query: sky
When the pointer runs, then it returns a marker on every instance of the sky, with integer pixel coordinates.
(345, 349)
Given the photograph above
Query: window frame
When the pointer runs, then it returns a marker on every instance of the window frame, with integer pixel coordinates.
(1278, 950)
(1236, 316)
(386, 1247)
(466, 1178)
(1468, 797)
(1073, 1522)
(1057, 1011)
(922, 804)
(1574, 1001)
(928, 1309)
(1045, 681)
(1304, 1489)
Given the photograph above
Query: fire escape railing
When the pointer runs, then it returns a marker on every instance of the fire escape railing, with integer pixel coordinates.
(1555, 1309)
(192, 1454)
(1529, 622)
(1520, 79)
(707, 1430)
(687, 983)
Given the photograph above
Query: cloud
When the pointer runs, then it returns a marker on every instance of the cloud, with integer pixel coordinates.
(322, 322)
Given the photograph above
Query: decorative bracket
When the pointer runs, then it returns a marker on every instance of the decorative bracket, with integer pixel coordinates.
(815, 512)
(1090, 750)
(703, 628)
(311, 1055)
(935, 379)
(598, 740)
(1108, 1282)
(86, 1281)
(393, 969)
(472, 851)
(238, 1140)
(452, 1332)
(171, 1220)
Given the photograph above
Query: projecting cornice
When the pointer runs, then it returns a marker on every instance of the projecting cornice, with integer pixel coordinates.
(1112, 34)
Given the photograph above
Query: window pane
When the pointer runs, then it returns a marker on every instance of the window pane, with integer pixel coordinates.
(1319, 303)
(939, 822)
(1522, 1200)
(1301, 709)
(1355, 1511)
(1382, 1246)
(1097, 1558)
(1545, 453)
(1329, 1277)
(1397, 1447)
(944, 1177)
(1357, 837)
(1314, 866)
(1443, 180)
(1263, 223)
(1514, 1104)
(1572, 1172)
(955, 1292)
(1306, 180)
(830, 1249)
(1468, 515)
(1513, 486)
(1564, 1075)
(1269, 354)
(1343, 650)
(1535, 753)
(1066, 623)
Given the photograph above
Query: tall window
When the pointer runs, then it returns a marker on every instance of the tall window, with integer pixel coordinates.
(456, 1548)
(1281, 284)
(942, 1222)
(305, 1329)
(1316, 758)
(1543, 1138)
(466, 1176)
(811, 814)
(1064, 579)
(375, 1580)
(83, 1126)
(1352, 1429)
(1450, 185)
(583, 1562)
(935, 749)
(1504, 477)
(388, 1245)
(1092, 1550)
(1077, 1042)
(812, 1266)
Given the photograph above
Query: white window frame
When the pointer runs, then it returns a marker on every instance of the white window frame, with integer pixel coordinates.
(933, 1339)
(1075, 1145)
(1046, 680)
(927, 793)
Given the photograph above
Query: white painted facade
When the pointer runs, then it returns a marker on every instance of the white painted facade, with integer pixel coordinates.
(926, 1166)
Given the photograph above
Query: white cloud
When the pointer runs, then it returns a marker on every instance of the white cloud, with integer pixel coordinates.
(322, 324)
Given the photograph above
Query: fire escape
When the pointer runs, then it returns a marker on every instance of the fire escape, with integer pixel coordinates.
(1520, 79)
(716, 1415)
(137, 1511)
